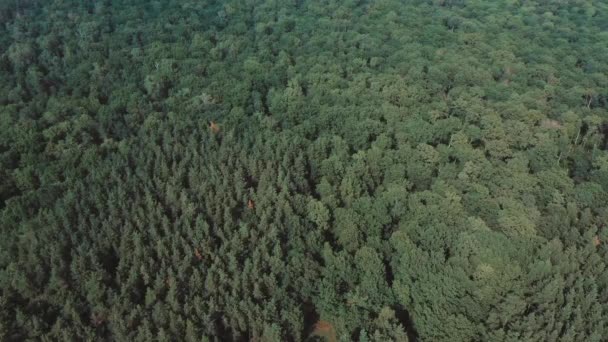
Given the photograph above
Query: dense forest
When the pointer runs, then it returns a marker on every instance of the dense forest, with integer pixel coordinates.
(331, 170)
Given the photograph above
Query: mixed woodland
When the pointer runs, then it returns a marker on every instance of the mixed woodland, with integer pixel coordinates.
(331, 170)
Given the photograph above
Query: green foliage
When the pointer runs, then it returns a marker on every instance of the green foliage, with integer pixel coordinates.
(295, 171)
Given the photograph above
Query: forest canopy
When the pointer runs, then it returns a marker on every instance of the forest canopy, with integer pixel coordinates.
(267, 170)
